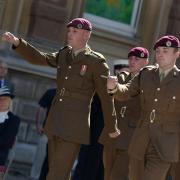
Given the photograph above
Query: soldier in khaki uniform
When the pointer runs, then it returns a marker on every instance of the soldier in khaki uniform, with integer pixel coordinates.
(156, 138)
(116, 158)
(79, 75)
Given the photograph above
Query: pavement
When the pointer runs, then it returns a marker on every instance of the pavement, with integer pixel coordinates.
(14, 175)
(18, 172)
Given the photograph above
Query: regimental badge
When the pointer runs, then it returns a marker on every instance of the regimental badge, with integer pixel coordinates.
(168, 43)
(175, 74)
(79, 26)
(142, 54)
(83, 70)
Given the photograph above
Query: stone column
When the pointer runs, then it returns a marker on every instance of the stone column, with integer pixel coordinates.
(174, 19)
(48, 18)
(153, 21)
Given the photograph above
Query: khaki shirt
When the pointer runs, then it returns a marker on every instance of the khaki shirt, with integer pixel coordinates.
(77, 79)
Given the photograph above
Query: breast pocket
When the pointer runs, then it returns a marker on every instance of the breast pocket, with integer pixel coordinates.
(171, 127)
(76, 77)
(77, 81)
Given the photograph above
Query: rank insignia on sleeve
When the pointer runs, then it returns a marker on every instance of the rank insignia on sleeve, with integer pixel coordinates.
(83, 70)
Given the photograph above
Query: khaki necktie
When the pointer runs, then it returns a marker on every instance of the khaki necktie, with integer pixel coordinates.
(162, 76)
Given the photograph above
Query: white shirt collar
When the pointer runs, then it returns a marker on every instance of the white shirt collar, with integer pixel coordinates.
(3, 116)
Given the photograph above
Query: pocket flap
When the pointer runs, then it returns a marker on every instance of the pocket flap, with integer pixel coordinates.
(171, 127)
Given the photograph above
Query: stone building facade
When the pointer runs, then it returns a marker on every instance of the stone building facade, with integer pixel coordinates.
(43, 23)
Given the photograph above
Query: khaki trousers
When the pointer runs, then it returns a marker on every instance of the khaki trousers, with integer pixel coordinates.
(154, 167)
(109, 154)
(116, 163)
(62, 155)
(175, 171)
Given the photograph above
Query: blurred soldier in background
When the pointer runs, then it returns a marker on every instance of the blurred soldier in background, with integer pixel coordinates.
(116, 160)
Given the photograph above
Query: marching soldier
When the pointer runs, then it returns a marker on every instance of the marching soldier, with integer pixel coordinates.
(79, 75)
(156, 138)
(116, 158)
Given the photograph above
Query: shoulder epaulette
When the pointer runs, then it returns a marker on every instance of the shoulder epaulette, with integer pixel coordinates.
(125, 73)
(122, 76)
(177, 69)
(98, 55)
(65, 47)
(149, 67)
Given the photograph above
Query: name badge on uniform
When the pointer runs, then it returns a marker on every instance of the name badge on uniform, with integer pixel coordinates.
(83, 70)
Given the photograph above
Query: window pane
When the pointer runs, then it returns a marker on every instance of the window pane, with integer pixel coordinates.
(116, 10)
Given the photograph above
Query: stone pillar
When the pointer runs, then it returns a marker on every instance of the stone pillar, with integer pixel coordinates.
(174, 19)
(153, 21)
(48, 18)
(2, 6)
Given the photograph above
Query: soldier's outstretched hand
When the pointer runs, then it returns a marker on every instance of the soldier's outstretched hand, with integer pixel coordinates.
(112, 82)
(9, 37)
(115, 134)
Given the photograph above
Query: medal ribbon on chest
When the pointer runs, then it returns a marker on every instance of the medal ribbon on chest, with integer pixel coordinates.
(83, 70)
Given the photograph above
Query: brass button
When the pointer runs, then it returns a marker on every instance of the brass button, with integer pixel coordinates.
(151, 121)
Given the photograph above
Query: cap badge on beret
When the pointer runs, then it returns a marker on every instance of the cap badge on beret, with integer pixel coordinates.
(168, 43)
(79, 26)
(142, 55)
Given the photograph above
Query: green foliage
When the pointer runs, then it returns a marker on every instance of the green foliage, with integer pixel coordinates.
(117, 10)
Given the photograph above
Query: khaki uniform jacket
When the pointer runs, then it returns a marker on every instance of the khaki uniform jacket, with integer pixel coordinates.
(77, 80)
(128, 113)
(160, 116)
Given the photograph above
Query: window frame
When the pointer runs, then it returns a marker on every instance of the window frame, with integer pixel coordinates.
(117, 27)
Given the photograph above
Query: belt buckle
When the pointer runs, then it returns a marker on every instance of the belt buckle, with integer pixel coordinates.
(152, 116)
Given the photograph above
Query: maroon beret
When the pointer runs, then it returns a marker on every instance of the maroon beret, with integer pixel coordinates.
(139, 52)
(80, 23)
(167, 41)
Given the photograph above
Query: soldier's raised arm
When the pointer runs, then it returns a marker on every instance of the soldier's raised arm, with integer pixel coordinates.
(123, 92)
(29, 52)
